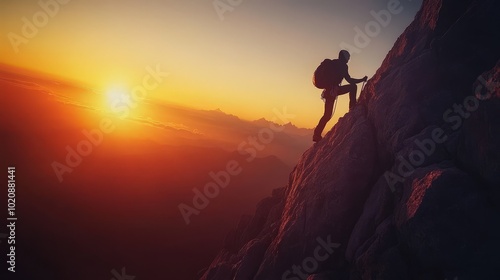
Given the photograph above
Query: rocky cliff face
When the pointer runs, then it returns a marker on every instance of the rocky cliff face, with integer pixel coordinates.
(407, 184)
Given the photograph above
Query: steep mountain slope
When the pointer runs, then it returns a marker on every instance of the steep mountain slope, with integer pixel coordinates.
(407, 184)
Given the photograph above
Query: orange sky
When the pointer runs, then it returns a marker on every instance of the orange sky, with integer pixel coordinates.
(254, 57)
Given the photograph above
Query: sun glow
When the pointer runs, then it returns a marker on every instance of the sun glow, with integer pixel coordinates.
(115, 98)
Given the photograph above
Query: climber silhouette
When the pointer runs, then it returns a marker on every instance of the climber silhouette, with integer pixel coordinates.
(339, 71)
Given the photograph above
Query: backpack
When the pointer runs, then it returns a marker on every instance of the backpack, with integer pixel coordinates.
(323, 76)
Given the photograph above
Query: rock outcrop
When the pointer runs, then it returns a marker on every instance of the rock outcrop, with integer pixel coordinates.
(407, 184)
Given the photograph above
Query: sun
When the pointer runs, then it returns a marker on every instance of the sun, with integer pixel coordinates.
(116, 97)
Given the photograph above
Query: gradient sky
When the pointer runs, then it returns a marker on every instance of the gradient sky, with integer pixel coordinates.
(261, 56)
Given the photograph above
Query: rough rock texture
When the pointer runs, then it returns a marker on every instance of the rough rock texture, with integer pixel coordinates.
(407, 184)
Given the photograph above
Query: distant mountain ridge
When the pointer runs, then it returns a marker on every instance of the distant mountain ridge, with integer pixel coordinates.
(290, 127)
(173, 124)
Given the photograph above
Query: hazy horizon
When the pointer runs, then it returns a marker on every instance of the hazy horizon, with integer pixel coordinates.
(77, 180)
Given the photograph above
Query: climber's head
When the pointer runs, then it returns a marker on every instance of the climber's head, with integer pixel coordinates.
(344, 56)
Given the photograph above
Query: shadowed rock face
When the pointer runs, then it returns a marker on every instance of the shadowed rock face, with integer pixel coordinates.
(407, 184)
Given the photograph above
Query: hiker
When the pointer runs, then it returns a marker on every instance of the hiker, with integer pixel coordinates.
(337, 70)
